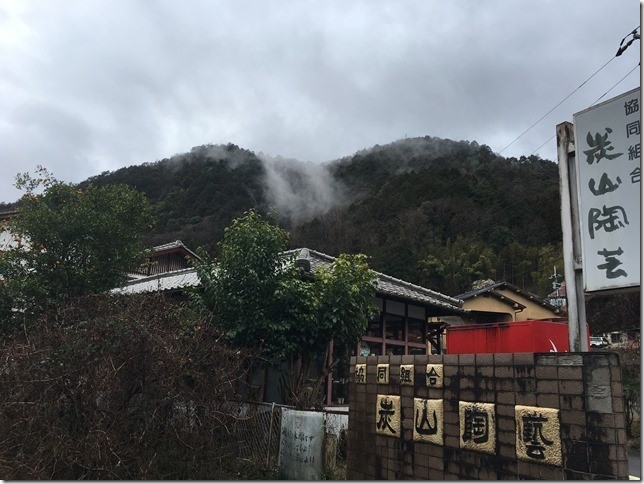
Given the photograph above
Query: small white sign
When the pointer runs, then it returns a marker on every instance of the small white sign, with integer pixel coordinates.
(302, 436)
(607, 141)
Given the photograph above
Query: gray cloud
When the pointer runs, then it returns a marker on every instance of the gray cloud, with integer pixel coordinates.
(91, 86)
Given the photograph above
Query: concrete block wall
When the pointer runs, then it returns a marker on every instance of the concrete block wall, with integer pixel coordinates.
(586, 388)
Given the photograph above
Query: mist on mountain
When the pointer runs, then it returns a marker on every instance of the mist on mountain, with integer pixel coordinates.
(432, 211)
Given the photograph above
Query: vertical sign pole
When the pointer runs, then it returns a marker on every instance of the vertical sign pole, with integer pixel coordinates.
(577, 332)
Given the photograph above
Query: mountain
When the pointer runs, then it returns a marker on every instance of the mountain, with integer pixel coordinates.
(432, 211)
(444, 213)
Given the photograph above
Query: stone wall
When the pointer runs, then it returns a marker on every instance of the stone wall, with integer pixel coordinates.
(489, 417)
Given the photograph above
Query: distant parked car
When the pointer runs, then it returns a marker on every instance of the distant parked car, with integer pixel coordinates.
(598, 342)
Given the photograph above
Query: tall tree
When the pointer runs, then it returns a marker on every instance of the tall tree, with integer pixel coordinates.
(458, 265)
(261, 300)
(72, 241)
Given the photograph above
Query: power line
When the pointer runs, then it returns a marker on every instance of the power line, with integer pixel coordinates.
(549, 140)
(616, 84)
(557, 105)
(621, 49)
(596, 101)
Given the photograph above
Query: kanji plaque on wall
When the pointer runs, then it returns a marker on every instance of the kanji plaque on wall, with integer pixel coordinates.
(538, 434)
(477, 426)
(428, 421)
(407, 375)
(388, 415)
(434, 376)
(382, 374)
(361, 373)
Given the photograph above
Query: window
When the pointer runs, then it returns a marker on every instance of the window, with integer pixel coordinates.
(395, 350)
(374, 348)
(394, 327)
(374, 328)
(415, 330)
(414, 350)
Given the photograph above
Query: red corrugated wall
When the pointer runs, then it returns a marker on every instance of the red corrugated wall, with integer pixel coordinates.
(514, 337)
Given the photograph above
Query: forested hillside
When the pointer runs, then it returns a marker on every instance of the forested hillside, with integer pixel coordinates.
(195, 195)
(444, 213)
(431, 211)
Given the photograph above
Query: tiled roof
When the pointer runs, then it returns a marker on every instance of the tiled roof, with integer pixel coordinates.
(388, 285)
(177, 244)
(511, 287)
(169, 281)
(8, 214)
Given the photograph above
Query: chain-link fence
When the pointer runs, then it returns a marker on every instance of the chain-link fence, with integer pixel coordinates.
(336, 423)
(254, 435)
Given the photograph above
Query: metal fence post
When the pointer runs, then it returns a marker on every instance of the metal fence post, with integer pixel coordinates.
(270, 437)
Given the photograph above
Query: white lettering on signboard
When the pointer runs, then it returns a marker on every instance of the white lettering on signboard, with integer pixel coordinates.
(607, 140)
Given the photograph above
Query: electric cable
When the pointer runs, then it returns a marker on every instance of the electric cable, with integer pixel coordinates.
(557, 105)
(619, 52)
(615, 85)
(596, 101)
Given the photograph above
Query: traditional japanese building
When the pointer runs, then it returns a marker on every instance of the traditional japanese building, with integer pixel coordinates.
(407, 324)
(504, 302)
(168, 269)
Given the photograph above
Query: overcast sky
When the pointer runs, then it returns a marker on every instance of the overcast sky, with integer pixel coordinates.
(88, 86)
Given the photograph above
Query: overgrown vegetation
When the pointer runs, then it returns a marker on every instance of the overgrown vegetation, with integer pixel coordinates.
(69, 241)
(615, 312)
(118, 388)
(630, 361)
(261, 300)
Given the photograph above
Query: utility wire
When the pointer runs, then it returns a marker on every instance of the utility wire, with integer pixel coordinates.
(557, 105)
(549, 140)
(454, 230)
(596, 101)
(615, 85)
(621, 49)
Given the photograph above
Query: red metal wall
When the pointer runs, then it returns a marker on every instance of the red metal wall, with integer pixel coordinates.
(514, 337)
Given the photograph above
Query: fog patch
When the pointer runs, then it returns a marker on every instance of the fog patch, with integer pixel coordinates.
(300, 190)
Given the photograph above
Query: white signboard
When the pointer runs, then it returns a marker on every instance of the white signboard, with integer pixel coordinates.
(301, 445)
(607, 140)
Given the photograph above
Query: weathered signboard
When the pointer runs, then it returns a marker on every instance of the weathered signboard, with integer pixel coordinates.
(301, 445)
(607, 138)
(434, 375)
(407, 375)
(361, 374)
